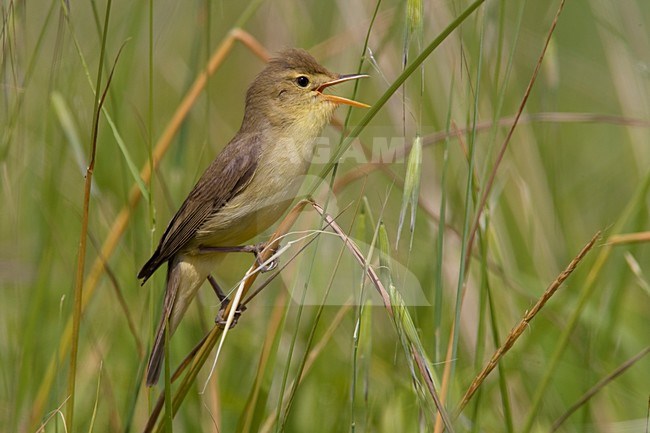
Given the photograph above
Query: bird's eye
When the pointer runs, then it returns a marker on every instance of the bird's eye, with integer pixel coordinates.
(302, 81)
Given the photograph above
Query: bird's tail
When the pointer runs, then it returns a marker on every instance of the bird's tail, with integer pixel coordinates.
(156, 358)
(157, 352)
(185, 275)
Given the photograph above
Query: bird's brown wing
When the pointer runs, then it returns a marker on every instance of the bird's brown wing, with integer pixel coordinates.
(228, 174)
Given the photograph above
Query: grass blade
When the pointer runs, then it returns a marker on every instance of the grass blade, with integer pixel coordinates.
(69, 129)
(599, 386)
(81, 255)
(411, 191)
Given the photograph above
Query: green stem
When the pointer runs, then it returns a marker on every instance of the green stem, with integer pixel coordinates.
(81, 254)
(393, 88)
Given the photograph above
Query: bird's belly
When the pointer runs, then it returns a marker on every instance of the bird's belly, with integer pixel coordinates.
(238, 222)
(257, 207)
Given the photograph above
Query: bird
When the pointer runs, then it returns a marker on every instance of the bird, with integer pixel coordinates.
(248, 186)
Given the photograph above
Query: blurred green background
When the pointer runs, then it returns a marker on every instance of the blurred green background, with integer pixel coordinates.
(578, 162)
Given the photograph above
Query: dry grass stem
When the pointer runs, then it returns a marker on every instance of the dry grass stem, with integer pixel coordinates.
(516, 332)
(358, 255)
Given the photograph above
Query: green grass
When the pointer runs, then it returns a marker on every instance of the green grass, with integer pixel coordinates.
(563, 177)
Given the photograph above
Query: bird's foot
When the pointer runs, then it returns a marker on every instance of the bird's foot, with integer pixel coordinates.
(221, 320)
(264, 267)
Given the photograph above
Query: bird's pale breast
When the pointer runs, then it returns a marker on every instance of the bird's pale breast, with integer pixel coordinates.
(284, 161)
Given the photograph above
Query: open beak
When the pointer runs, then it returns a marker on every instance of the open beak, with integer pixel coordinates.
(339, 99)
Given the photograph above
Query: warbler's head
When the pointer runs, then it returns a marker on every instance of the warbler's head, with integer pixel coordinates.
(290, 90)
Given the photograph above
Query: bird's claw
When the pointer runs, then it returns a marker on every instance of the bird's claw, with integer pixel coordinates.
(268, 267)
(257, 249)
(221, 321)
